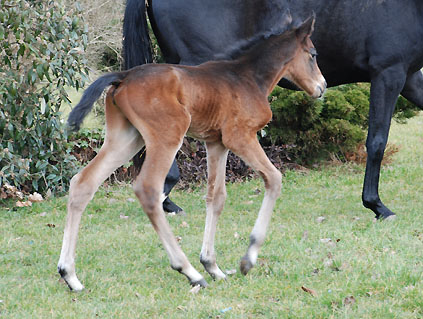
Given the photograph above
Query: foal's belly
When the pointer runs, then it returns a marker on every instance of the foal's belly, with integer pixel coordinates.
(205, 135)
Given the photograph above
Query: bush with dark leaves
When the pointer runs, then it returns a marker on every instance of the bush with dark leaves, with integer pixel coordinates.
(317, 129)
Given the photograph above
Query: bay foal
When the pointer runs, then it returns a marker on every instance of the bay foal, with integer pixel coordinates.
(223, 103)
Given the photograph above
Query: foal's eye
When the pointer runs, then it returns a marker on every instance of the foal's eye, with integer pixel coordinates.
(313, 53)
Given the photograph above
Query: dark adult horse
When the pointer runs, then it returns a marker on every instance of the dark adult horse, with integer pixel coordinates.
(376, 41)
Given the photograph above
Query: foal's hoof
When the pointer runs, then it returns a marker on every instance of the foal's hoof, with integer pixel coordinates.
(202, 283)
(171, 207)
(73, 283)
(245, 265)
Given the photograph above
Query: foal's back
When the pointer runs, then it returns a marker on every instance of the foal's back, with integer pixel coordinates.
(214, 97)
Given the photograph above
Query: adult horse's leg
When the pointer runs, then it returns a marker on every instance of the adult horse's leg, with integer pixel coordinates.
(148, 188)
(122, 142)
(413, 88)
(250, 151)
(384, 92)
(172, 178)
(217, 154)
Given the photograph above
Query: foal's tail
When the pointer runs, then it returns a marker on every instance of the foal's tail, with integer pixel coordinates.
(91, 94)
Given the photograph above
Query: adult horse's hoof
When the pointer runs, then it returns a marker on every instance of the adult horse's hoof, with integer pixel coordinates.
(171, 207)
(245, 265)
(389, 218)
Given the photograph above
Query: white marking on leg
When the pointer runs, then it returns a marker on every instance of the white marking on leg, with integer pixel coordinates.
(177, 258)
(76, 204)
(254, 155)
(216, 194)
(258, 233)
(207, 255)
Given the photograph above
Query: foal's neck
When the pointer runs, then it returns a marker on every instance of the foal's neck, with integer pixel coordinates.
(266, 61)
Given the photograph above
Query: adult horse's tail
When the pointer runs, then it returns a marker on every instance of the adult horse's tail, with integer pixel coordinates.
(137, 51)
(136, 44)
(91, 94)
(136, 40)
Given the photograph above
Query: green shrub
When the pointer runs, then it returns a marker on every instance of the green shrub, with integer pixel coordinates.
(314, 129)
(41, 46)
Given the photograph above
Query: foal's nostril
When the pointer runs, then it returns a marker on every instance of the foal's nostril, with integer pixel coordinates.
(318, 92)
(321, 91)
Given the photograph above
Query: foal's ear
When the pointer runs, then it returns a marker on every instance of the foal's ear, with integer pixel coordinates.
(306, 29)
(287, 17)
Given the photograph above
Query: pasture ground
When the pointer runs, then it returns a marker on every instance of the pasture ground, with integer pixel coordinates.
(349, 265)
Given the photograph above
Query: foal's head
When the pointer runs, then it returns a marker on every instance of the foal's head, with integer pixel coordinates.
(302, 70)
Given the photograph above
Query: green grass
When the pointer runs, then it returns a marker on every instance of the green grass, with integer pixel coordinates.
(127, 275)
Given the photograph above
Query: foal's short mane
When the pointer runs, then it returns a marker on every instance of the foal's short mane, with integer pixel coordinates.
(242, 46)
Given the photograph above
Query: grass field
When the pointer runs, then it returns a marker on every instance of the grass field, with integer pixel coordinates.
(352, 266)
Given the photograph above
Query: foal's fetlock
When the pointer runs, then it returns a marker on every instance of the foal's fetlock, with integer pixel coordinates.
(192, 275)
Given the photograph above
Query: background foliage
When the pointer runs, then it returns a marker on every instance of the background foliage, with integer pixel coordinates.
(104, 20)
(306, 130)
(41, 54)
(314, 129)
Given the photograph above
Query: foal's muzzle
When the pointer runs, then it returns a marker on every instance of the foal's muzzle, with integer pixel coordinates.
(320, 90)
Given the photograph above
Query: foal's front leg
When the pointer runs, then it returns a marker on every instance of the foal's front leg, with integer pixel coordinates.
(217, 154)
(249, 149)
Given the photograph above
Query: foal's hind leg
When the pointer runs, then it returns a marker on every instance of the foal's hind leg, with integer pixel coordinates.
(122, 142)
(250, 151)
(148, 188)
(217, 154)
